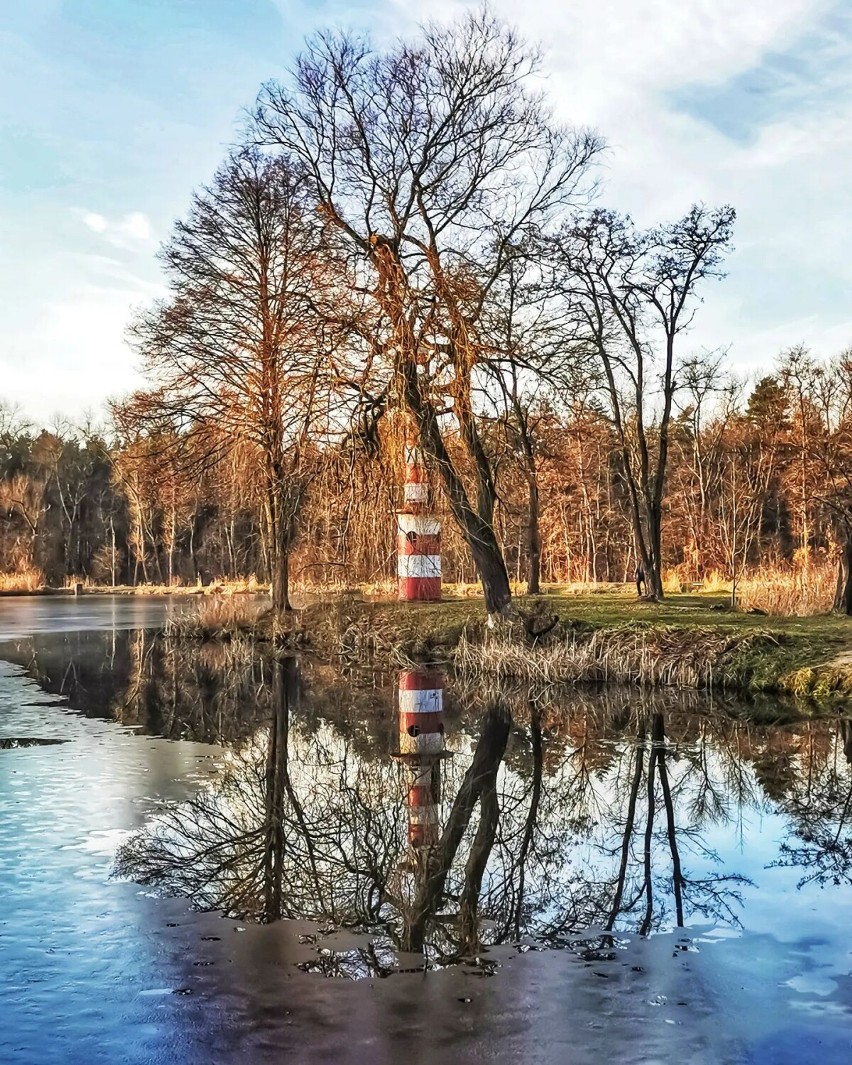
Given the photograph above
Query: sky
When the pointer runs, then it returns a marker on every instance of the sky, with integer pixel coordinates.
(113, 111)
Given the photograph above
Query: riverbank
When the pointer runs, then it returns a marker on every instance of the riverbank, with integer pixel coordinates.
(171, 590)
(687, 641)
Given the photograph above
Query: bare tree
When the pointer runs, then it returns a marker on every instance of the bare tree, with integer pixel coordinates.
(240, 350)
(635, 294)
(433, 160)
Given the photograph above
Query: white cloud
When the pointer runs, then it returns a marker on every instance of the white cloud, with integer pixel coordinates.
(76, 350)
(133, 227)
(627, 67)
(95, 222)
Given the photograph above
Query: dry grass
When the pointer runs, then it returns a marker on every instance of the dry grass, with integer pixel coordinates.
(228, 612)
(586, 588)
(228, 656)
(26, 580)
(384, 589)
(790, 593)
(219, 587)
(216, 616)
(715, 582)
(658, 657)
(673, 583)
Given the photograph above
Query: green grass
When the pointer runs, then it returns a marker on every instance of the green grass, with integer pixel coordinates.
(796, 660)
(804, 643)
(793, 656)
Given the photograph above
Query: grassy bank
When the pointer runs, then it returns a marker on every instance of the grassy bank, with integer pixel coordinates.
(688, 641)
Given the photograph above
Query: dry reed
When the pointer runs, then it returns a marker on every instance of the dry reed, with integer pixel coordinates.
(673, 583)
(216, 616)
(658, 657)
(715, 582)
(24, 580)
(800, 592)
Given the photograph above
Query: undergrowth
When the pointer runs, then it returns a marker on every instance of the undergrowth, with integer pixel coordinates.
(639, 655)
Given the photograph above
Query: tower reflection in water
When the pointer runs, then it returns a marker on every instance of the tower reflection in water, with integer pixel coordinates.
(421, 748)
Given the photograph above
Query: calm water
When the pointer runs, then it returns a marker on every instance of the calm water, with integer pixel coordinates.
(206, 855)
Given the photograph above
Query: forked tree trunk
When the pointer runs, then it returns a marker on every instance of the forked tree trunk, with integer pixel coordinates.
(496, 725)
(475, 524)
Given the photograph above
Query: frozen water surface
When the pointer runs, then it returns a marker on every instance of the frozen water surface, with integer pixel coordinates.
(228, 859)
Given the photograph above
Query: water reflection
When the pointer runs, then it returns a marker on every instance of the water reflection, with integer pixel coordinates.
(820, 808)
(421, 824)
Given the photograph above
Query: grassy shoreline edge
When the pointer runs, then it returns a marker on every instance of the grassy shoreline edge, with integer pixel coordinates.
(688, 641)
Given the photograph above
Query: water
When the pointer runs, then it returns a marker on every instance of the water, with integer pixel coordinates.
(230, 859)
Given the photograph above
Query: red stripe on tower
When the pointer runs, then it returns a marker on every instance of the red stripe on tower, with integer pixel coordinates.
(418, 536)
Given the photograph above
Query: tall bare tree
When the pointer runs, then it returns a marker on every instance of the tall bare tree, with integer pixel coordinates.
(240, 350)
(433, 159)
(635, 295)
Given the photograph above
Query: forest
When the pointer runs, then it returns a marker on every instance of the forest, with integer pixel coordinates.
(409, 248)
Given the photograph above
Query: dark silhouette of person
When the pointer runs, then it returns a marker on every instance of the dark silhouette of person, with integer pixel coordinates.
(640, 581)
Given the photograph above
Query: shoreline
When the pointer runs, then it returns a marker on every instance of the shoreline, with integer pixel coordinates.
(688, 641)
(131, 590)
(685, 642)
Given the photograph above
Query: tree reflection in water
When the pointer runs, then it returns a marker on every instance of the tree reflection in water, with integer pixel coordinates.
(537, 843)
(564, 820)
(819, 804)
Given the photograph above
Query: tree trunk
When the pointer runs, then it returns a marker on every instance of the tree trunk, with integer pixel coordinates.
(475, 524)
(474, 870)
(280, 527)
(659, 739)
(478, 534)
(531, 820)
(843, 596)
(492, 572)
(281, 578)
(533, 540)
(496, 725)
(654, 572)
(112, 557)
(276, 775)
(279, 554)
(627, 834)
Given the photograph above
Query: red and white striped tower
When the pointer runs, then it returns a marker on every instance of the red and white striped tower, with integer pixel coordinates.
(421, 747)
(418, 535)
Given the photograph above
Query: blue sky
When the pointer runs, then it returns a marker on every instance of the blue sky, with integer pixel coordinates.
(112, 111)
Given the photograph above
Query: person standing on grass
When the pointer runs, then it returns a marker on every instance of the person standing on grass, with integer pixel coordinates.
(640, 581)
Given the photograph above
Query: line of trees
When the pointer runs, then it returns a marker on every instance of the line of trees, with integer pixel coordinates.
(409, 242)
(758, 477)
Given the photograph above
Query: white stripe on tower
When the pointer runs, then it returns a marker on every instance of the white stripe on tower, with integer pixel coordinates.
(430, 701)
(418, 535)
(421, 744)
(415, 493)
(418, 524)
(419, 566)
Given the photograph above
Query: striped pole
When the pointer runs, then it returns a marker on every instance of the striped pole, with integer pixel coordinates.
(421, 747)
(418, 536)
